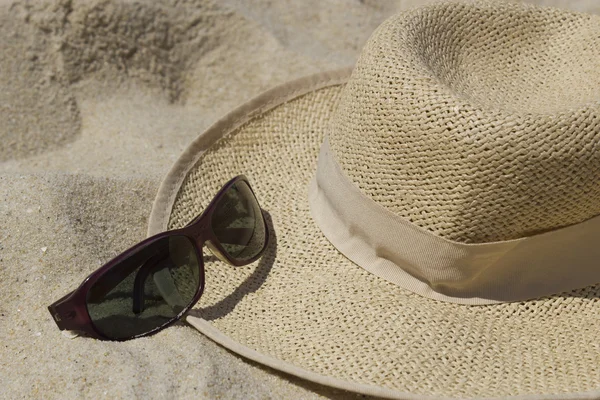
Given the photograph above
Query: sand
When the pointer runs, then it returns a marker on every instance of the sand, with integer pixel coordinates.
(97, 100)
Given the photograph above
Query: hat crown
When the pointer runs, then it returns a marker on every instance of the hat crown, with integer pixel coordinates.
(475, 124)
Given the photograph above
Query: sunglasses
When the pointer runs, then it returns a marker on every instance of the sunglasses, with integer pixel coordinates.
(154, 283)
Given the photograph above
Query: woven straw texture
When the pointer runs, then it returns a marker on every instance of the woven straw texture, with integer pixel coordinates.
(478, 122)
(306, 304)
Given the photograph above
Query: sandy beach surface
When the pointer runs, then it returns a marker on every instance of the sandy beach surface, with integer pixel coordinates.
(97, 99)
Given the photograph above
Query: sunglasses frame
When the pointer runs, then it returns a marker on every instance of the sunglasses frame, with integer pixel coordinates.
(71, 313)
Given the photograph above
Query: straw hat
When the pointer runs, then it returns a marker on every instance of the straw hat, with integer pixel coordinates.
(435, 212)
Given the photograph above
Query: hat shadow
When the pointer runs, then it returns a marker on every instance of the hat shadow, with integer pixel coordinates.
(251, 284)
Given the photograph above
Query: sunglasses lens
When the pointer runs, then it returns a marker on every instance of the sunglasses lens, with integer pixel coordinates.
(238, 223)
(147, 290)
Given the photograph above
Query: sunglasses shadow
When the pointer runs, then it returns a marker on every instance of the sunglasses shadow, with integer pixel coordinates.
(251, 284)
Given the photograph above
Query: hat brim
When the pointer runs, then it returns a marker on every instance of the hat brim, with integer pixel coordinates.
(307, 310)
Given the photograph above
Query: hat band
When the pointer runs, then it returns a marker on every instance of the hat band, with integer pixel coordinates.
(411, 257)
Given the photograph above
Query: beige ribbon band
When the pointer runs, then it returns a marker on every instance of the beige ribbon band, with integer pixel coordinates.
(422, 262)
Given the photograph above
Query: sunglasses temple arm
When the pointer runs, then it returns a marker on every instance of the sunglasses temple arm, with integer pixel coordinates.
(238, 236)
(58, 311)
(66, 314)
(140, 282)
(163, 281)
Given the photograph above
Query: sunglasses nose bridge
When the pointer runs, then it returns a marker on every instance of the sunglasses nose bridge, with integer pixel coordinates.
(200, 231)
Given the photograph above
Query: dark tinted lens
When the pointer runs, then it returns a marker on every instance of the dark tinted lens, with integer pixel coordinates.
(147, 290)
(238, 223)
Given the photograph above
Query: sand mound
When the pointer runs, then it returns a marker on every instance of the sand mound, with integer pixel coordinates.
(37, 109)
